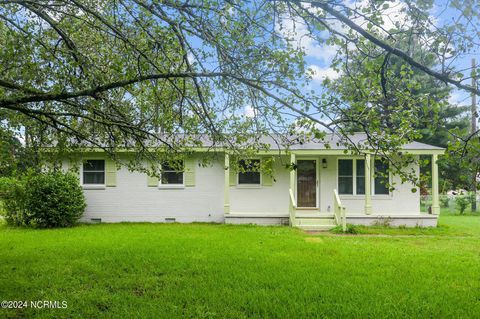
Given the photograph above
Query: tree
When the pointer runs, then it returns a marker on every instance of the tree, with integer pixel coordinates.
(113, 73)
(431, 116)
(12, 154)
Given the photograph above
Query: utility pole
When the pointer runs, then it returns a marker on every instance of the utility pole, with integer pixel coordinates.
(474, 130)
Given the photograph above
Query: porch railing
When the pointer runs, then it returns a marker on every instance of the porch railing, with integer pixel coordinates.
(339, 211)
(292, 209)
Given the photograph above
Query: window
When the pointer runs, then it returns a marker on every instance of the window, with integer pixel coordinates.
(172, 173)
(94, 172)
(381, 178)
(345, 177)
(249, 172)
(351, 177)
(360, 177)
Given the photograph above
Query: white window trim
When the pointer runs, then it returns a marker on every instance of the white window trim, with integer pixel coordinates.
(94, 186)
(354, 172)
(354, 175)
(172, 186)
(259, 185)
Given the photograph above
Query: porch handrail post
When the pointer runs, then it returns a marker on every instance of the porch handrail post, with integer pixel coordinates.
(435, 202)
(226, 191)
(292, 191)
(368, 184)
(292, 173)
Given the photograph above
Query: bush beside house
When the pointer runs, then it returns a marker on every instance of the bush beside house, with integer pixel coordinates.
(42, 200)
(12, 194)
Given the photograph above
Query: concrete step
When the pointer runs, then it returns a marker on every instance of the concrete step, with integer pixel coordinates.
(300, 214)
(307, 211)
(316, 227)
(315, 221)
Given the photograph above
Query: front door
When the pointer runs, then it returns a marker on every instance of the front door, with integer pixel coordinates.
(306, 183)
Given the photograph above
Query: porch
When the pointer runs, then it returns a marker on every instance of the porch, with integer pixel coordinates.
(315, 204)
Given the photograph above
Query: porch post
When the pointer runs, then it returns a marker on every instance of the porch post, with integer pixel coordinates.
(291, 196)
(368, 185)
(226, 192)
(292, 173)
(435, 204)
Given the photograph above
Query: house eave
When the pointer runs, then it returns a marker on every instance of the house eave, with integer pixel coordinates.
(302, 152)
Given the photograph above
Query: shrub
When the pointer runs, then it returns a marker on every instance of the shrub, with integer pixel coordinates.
(462, 202)
(382, 222)
(351, 229)
(53, 200)
(12, 195)
(42, 200)
(444, 201)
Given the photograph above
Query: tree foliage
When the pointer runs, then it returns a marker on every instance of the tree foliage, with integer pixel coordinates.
(143, 73)
(44, 200)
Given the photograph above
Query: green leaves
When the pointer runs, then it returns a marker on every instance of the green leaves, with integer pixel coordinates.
(168, 74)
(83, 46)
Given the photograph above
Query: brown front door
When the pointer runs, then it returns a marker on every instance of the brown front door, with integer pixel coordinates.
(306, 183)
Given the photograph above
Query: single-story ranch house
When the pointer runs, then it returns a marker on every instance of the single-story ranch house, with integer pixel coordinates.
(329, 186)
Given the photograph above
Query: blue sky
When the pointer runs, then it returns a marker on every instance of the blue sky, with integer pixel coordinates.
(319, 56)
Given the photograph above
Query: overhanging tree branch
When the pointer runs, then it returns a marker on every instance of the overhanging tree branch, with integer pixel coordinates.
(387, 47)
(57, 96)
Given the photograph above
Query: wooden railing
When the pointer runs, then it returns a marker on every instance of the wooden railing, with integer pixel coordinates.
(292, 209)
(339, 211)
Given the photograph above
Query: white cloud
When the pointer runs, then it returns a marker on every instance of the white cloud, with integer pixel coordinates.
(324, 53)
(297, 33)
(395, 13)
(457, 98)
(249, 111)
(321, 73)
(191, 58)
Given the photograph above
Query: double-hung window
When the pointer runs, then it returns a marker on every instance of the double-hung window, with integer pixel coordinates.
(360, 176)
(249, 173)
(94, 172)
(345, 176)
(172, 173)
(351, 177)
(381, 178)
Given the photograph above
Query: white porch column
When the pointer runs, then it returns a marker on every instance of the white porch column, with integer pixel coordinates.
(292, 173)
(226, 191)
(368, 184)
(435, 203)
(291, 196)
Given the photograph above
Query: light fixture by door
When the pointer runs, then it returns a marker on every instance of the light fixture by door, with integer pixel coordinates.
(324, 163)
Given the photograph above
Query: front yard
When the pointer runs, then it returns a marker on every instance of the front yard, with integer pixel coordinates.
(202, 270)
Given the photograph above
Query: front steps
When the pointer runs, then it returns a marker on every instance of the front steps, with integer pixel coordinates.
(311, 220)
(314, 221)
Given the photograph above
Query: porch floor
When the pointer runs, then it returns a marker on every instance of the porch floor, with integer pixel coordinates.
(315, 220)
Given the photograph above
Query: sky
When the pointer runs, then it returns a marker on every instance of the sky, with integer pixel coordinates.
(319, 56)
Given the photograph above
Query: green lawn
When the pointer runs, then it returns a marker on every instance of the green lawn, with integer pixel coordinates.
(203, 271)
(450, 224)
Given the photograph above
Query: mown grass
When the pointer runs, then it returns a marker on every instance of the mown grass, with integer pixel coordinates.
(450, 224)
(223, 271)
